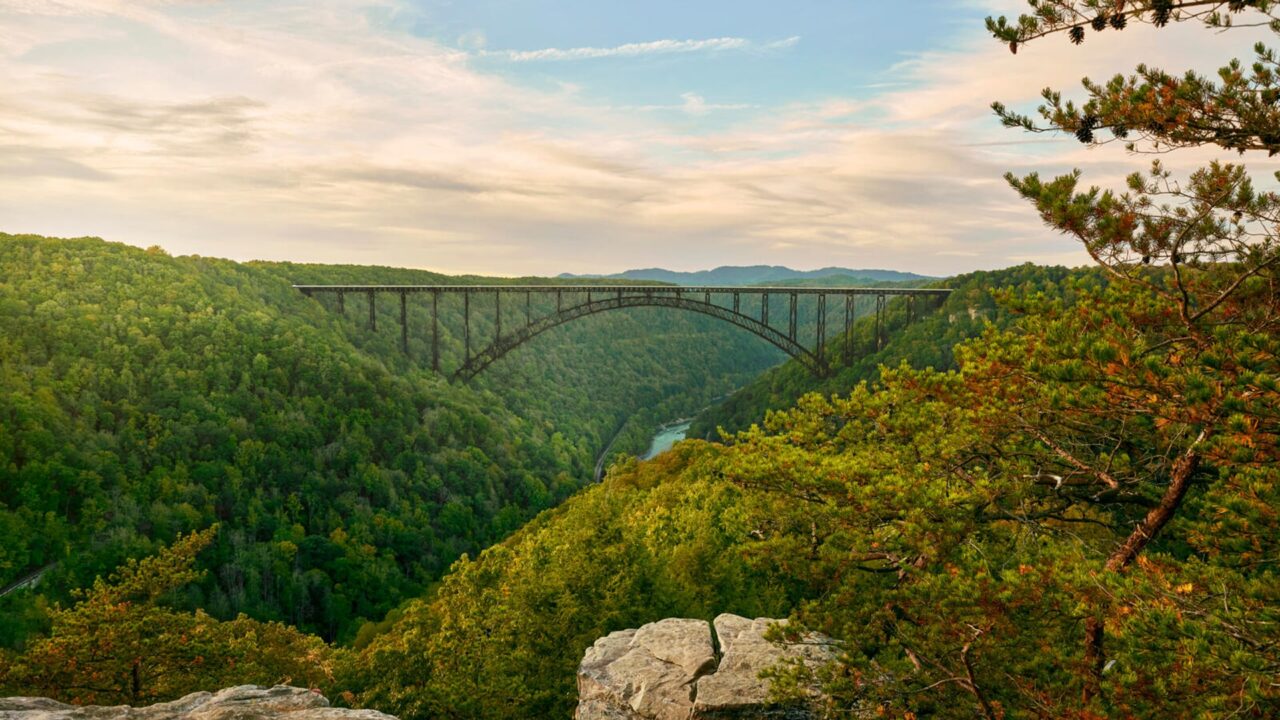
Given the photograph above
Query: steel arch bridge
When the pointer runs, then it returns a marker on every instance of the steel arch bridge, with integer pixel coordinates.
(746, 307)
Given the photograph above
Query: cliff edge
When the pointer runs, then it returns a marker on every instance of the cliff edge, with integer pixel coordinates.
(246, 702)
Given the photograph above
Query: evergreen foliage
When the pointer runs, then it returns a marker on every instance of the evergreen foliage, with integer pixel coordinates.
(1154, 110)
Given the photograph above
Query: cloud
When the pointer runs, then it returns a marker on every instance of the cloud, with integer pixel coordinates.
(654, 47)
(691, 103)
(22, 162)
(308, 131)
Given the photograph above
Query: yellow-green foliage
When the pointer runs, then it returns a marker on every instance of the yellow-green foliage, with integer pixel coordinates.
(120, 644)
(503, 636)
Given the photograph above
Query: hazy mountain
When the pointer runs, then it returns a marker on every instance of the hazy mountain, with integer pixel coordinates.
(749, 275)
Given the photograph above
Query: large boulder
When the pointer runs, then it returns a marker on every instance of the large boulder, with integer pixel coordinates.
(647, 673)
(735, 689)
(246, 702)
(671, 670)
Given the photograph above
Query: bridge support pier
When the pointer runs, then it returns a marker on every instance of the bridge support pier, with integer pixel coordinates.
(849, 316)
(822, 330)
(373, 318)
(880, 319)
(435, 330)
(791, 326)
(404, 322)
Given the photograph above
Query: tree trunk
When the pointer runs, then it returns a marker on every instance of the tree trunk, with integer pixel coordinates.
(1179, 482)
(1160, 515)
(1094, 658)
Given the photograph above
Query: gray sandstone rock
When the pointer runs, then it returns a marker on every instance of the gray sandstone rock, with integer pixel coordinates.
(670, 670)
(245, 702)
(735, 689)
(646, 673)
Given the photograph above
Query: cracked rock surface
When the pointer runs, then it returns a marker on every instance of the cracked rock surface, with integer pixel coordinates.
(245, 702)
(671, 670)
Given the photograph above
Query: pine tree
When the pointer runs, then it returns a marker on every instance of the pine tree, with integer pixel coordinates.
(1194, 360)
(1080, 522)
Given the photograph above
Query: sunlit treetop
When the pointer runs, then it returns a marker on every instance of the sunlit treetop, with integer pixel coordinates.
(1153, 110)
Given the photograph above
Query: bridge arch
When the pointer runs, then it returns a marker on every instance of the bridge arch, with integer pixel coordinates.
(510, 341)
(602, 298)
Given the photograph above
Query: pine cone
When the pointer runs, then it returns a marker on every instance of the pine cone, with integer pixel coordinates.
(1084, 133)
(1163, 11)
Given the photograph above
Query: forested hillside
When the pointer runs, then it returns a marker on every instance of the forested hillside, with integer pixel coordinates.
(142, 396)
(925, 341)
(504, 634)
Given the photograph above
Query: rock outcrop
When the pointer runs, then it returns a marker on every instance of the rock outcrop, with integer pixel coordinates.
(672, 670)
(246, 702)
(648, 673)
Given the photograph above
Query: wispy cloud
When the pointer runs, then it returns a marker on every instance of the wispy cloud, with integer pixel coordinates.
(691, 103)
(279, 132)
(654, 47)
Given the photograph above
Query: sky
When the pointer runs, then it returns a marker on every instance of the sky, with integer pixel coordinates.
(514, 137)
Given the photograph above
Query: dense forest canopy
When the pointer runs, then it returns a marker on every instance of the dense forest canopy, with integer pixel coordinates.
(144, 395)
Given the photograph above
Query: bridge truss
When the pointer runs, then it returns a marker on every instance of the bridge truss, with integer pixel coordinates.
(745, 307)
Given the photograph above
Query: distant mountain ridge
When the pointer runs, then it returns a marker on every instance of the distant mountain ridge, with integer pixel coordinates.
(748, 275)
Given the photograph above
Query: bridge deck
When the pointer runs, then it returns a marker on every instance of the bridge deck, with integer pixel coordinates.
(636, 289)
(720, 301)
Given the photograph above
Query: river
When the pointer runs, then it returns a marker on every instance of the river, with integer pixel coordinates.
(667, 436)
